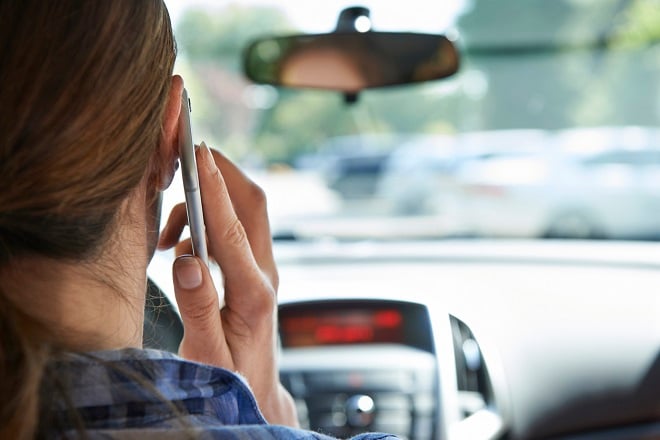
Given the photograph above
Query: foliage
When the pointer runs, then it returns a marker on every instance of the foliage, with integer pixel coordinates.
(602, 54)
(639, 24)
(222, 36)
(596, 84)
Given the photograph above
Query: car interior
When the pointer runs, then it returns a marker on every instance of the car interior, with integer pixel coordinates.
(464, 315)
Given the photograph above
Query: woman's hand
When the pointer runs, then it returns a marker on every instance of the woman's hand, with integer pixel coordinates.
(242, 336)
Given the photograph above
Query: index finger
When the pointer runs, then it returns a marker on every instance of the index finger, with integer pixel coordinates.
(249, 202)
(228, 240)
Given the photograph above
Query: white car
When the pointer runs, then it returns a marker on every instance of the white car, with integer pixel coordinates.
(596, 183)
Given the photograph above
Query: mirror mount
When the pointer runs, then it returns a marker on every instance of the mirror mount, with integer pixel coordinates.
(353, 19)
(350, 98)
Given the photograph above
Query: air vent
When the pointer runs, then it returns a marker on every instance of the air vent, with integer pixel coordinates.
(474, 389)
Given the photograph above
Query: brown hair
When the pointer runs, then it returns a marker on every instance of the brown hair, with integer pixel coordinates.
(83, 87)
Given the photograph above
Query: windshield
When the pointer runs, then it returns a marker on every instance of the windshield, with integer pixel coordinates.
(547, 131)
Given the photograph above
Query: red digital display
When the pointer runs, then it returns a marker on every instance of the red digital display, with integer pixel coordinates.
(338, 327)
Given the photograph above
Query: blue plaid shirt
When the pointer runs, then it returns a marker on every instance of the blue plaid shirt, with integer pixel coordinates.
(149, 394)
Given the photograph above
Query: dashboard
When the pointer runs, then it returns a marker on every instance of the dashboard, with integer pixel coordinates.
(471, 339)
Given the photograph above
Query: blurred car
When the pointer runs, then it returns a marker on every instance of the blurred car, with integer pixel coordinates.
(385, 323)
(415, 175)
(583, 184)
(420, 174)
(351, 165)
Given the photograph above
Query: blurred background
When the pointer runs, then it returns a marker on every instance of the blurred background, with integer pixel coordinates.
(547, 131)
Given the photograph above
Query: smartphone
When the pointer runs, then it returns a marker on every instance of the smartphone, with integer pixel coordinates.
(191, 182)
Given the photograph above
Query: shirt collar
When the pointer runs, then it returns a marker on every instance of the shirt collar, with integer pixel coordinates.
(133, 383)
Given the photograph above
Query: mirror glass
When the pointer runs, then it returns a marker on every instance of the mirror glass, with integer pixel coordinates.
(350, 62)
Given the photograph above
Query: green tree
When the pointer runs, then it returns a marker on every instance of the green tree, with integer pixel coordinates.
(588, 63)
(221, 37)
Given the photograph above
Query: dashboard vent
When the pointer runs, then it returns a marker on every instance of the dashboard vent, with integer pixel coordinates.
(474, 389)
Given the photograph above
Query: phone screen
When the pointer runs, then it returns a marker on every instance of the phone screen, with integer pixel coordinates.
(191, 182)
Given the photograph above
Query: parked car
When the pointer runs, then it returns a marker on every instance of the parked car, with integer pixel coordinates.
(351, 165)
(600, 183)
(419, 177)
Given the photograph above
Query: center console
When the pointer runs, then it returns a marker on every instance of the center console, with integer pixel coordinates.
(356, 366)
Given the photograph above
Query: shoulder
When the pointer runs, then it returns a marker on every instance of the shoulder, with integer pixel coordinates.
(147, 388)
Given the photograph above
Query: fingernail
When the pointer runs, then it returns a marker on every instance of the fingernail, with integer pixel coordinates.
(162, 234)
(188, 272)
(208, 157)
(159, 245)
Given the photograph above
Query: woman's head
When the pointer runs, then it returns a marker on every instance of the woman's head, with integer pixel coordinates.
(83, 87)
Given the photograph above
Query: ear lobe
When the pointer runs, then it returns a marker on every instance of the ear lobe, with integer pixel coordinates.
(168, 150)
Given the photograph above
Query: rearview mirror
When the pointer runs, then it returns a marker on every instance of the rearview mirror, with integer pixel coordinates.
(350, 62)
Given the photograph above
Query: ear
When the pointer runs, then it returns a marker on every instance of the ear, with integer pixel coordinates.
(166, 161)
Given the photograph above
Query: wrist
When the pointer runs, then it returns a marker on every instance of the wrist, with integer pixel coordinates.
(280, 409)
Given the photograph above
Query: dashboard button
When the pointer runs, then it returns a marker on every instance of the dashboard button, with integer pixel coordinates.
(360, 410)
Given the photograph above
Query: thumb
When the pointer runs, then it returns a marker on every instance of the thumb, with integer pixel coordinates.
(203, 338)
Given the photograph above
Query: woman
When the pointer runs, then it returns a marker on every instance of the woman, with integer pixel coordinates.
(89, 141)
